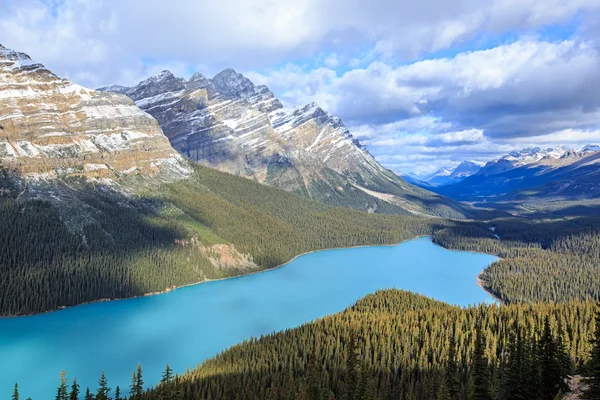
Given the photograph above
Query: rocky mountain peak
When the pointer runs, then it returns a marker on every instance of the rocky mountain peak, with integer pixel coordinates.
(52, 128)
(233, 84)
(197, 77)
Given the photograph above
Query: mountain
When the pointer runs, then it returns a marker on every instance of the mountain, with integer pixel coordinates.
(533, 175)
(445, 175)
(520, 158)
(227, 122)
(440, 177)
(51, 128)
(96, 204)
(464, 170)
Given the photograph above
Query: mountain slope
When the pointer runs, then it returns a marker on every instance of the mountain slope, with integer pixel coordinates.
(96, 204)
(50, 128)
(231, 124)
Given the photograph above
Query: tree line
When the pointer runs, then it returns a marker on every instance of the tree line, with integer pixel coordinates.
(395, 345)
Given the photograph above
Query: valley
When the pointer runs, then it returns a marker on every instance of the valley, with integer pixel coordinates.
(222, 314)
(200, 222)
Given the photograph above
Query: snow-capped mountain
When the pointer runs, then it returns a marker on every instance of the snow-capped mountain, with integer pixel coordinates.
(439, 177)
(535, 154)
(52, 128)
(450, 175)
(227, 122)
(464, 170)
(559, 173)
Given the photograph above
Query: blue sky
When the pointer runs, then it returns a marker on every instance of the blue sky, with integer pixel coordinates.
(423, 84)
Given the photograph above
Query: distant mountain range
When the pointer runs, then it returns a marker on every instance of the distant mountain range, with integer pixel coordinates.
(448, 175)
(227, 122)
(533, 175)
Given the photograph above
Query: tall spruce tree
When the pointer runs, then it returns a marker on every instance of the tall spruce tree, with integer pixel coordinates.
(481, 370)
(167, 376)
(452, 378)
(566, 364)
(166, 389)
(74, 394)
(314, 377)
(550, 363)
(514, 388)
(15, 395)
(88, 394)
(593, 367)
(62, 393)
(351, 367)
(118, 393)
(103, 389)
(137, 384)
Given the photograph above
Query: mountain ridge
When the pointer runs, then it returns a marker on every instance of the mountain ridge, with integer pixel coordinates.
(227, 122)
(533, 175)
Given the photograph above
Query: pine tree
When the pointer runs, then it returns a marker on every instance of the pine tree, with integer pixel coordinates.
(351, 367)
(74, 394)
(514, 371)
(167, 376)
(593, 368)
(550, 364)
(15, 395)
(103, 389)
(118, 393)
(137, 384)
(443, 392)
(481, 371)
(62, 392)
(314, 378)
(88, 394)
(166, 389)
(452, 380)
(566, 365)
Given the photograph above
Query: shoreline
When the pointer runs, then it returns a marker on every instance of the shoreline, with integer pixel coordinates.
(167, 290)
(481, 285)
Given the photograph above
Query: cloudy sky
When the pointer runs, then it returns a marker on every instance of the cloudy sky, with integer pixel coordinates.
(423, 84)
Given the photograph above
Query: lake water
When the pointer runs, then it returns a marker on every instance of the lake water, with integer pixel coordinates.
(188, 325)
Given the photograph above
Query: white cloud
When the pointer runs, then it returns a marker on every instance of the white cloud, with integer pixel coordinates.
(103, 41)
(471, 105)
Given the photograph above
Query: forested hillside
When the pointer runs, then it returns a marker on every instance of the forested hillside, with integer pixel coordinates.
(95, 243)
(398, 345)
(542, 260)
(100, 244)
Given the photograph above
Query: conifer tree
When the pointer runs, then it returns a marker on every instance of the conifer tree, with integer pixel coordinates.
(118, 393)
(62, 393)
(566, 365)
(166, 389)
(351, 367)
(452, 380)
(74, 394)
(314, 378)
(137, 384)
(593, 370)
(514, 371)
(88, 394)
(103, 389)
(167, 376)
(15, 395)
(550, 364)
(481, 371)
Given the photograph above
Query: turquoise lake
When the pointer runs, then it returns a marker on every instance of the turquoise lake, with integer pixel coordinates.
(188, 325)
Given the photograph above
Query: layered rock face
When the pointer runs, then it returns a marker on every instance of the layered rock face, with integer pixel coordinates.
(52, 128)
(231, 124)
